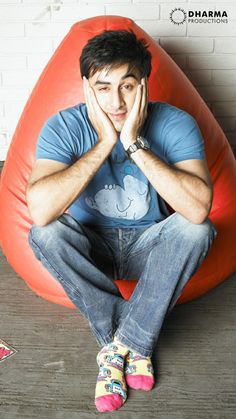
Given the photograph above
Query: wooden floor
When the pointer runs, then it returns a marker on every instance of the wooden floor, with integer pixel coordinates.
(53, 374)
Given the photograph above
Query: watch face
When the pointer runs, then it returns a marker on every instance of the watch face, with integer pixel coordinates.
(143, 142)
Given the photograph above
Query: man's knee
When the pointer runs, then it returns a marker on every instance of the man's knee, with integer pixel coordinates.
(55, 230)
(57, 236)
(44, 233)
(43, 237)
(197, 232)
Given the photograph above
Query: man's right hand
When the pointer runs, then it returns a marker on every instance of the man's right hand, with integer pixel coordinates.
(103, 126)
(58, 185)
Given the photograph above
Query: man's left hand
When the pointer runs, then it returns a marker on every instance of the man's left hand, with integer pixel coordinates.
(137, 116)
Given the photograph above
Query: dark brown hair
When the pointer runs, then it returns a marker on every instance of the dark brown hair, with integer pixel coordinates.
(112, 49)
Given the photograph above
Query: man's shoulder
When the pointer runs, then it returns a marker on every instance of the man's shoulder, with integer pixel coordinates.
(74, 113)
(166, 110)
(164, 118)
(64, 133)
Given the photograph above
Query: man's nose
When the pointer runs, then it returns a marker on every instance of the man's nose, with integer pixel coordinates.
(117, 100)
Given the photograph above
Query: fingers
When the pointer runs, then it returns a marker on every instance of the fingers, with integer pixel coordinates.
(140, 102)
(91, 100)
(86, 88)
(137, 101)
(144, 99)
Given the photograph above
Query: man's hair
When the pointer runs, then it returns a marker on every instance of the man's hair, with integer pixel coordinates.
(112, 49)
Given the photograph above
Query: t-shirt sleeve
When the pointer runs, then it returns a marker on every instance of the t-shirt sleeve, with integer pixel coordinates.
(55, 141)
(182, 139)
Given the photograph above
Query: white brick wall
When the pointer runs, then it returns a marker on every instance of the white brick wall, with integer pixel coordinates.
(30, 30)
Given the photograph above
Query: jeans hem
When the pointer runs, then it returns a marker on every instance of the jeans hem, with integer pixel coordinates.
(134, 347)
(102, 341)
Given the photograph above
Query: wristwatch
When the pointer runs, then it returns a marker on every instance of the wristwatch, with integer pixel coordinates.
(140, 142)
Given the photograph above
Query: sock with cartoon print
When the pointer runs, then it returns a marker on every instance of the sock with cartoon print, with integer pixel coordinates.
(111, 390)
(139, 373)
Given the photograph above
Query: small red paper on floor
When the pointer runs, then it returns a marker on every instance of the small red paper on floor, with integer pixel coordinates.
(5, 350)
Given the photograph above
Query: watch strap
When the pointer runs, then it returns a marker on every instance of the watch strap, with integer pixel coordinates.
(135, 146)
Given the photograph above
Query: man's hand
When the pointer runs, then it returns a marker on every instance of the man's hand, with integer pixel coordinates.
(103, 126)
(137, 116)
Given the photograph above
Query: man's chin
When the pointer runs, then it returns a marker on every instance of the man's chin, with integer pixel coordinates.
(118, 127)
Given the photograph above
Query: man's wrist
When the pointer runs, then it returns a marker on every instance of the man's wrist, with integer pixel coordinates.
(127, 143)
(140, 143)
(105, 147)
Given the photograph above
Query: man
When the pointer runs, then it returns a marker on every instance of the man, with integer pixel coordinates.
(97, 194)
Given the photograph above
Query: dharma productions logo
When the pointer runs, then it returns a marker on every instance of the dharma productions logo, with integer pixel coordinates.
(179, 16)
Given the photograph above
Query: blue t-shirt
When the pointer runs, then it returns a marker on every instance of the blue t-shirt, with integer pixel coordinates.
(120, 195)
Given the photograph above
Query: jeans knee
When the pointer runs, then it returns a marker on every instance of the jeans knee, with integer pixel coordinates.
(202, 233)
(42, 236)
(205, 230)
(196, 232)
(57, 236)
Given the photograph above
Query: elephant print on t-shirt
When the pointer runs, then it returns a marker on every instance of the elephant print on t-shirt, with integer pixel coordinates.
(131, 202)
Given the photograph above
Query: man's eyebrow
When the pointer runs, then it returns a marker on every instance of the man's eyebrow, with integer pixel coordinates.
(101, 82)
(129, 75)
(122, 78)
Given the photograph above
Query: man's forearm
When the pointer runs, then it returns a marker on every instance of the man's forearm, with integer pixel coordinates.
(50, 196)
(187, 194)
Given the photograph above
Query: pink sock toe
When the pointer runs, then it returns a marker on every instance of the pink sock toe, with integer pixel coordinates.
(140, 382)
(109, 402)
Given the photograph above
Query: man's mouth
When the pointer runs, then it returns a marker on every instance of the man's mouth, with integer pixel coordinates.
(118, 116)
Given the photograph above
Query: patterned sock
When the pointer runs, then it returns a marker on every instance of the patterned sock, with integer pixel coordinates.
(111, 390)
(139, 372)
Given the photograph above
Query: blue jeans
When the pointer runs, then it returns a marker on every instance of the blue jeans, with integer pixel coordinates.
(86, 261)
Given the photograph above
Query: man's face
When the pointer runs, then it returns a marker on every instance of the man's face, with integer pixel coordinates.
(115, 91)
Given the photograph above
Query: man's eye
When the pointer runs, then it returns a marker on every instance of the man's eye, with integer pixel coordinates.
(127, 86)
(103, 89)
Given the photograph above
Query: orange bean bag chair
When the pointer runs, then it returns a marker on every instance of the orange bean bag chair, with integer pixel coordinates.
(59, 87)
